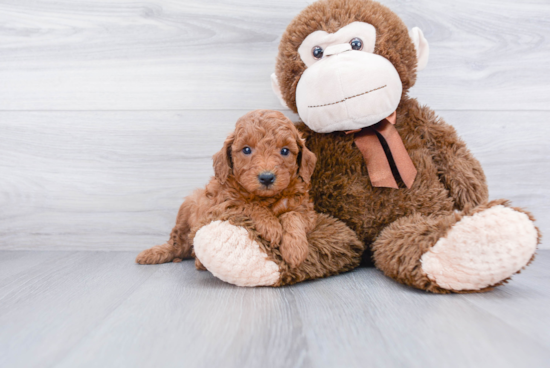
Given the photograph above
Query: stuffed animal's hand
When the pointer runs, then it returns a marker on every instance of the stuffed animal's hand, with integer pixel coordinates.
(252, 217)
(229, 252)
(233, 252)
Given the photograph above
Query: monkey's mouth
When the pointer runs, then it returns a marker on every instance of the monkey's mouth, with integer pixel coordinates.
(348, 98)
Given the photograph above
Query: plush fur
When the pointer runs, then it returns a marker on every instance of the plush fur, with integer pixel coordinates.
(398, 226)
(392, 40)
(282, 212)
(280, 217)
(440, 235)
(459, 260)
(238, 259)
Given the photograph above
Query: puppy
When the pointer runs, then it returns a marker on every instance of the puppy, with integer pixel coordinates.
(263, 173)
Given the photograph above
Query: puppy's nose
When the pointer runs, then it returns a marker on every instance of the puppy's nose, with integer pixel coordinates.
(266, 178)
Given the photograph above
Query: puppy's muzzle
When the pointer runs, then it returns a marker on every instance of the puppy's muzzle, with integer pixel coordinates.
(266, 178)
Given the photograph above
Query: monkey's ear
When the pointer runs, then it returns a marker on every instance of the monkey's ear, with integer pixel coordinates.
(277, 90)
(421, 46)
(223, 165)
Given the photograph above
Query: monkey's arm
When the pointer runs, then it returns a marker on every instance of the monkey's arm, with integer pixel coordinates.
(261, 218)
(458, 170)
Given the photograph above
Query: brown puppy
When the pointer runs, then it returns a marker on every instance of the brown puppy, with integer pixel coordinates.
(262, 172)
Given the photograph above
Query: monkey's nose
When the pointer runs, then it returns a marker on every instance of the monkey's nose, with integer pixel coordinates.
(337, 49)
(266, 178)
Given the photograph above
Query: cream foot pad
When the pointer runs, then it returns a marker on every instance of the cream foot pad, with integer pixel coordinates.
(482, 250)
(230, 255)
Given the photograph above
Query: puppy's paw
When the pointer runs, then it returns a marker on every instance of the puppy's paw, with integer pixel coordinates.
(157, 254)
(294, 249)
(271, 230)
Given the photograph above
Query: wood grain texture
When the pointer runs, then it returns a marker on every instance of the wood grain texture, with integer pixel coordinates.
(99, 179)
(99, 309)
(45, 311)
(521, 303)
(194, 54)
(108, 179)
(115, 180)
(110, 112)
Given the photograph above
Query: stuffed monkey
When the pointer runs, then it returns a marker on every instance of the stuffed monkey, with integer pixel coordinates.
(388, 168)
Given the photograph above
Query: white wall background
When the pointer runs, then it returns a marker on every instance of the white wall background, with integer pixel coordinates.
(111, 110)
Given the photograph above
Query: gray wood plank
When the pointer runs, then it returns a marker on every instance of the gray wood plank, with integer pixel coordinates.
(189, 318)
(79, 172)
(523, 303)
(158, 55)
(115, 180)
(178, 316)
(365, 319)
(47, 310)
(12, 263)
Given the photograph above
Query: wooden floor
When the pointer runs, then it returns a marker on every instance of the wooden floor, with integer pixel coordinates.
(99, 309)
(110, 112)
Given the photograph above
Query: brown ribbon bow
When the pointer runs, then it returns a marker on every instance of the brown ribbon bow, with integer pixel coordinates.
(378, 165)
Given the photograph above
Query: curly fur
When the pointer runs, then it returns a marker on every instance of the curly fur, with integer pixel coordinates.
(280, 216)
(398, 226)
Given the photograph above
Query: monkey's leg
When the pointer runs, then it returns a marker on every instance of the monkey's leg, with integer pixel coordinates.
(469, 251)
(333, 248)
(230, 254)
(235, 254)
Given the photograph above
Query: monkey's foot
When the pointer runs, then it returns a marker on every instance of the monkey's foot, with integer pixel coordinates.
(229, 254)
(482, 250)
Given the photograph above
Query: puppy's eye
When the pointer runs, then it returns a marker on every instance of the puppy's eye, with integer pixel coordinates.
(247, 150)
(317, 52)
(285, 151)
(356, 43)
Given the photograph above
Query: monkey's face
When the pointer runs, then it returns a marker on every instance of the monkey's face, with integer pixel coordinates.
(340, 74)
(345, 86)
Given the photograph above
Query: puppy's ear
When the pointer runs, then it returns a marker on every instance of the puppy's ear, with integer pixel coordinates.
(223, 166)
(306, 161)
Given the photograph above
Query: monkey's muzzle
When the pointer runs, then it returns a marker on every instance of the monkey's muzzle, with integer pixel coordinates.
(347, 90)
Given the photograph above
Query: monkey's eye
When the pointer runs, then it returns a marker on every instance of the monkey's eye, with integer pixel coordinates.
(317, 52)
(247, 150)
(356, 43)
(285, 151)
